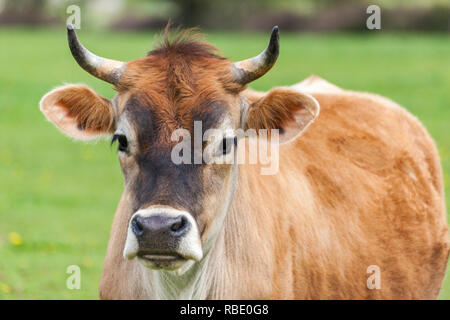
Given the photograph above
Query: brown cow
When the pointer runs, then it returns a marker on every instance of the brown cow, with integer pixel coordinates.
(356, 209)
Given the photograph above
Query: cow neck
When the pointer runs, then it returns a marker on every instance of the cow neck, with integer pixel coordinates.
(206, 278)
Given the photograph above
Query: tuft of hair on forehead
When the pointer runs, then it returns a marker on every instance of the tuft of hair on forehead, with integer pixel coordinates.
(180, 64)
(186, 42)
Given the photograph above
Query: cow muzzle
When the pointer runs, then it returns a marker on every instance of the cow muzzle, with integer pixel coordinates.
(163, 238)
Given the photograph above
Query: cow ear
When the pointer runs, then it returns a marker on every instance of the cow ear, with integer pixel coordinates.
(78, 112)
(289, 111)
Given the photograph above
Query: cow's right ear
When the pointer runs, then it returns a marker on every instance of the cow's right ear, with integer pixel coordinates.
(78, 112)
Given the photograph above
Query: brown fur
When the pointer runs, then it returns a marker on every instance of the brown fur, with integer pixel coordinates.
(90, 111)
(274, 110)
(361, 187)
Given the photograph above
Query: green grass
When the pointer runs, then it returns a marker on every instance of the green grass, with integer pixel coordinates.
(60, 196)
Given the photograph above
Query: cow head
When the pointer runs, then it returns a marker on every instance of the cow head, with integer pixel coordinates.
(175, 211)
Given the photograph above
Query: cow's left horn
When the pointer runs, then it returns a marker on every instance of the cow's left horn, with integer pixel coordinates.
(104, 69)
(246, 71)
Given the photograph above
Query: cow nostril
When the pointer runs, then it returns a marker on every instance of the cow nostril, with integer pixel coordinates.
(179, 225)
(137, 227)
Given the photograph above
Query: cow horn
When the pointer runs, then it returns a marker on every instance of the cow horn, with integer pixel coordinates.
(246, 71)
(104, 69)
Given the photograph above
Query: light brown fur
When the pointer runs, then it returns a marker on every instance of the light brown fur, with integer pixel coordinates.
(78, 111)
(362, 186)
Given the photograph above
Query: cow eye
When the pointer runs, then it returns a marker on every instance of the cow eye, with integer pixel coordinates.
(226, 145)
(122, 141)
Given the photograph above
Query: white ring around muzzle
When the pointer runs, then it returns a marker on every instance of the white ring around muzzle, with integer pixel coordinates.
(190, 245)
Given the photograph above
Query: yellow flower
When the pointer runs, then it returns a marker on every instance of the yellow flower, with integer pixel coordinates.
(15, 238)
(5, 288)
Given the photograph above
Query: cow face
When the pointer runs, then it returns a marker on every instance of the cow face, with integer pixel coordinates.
(179, 91)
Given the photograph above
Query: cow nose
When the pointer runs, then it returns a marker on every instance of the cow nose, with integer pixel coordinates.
(159, 228)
